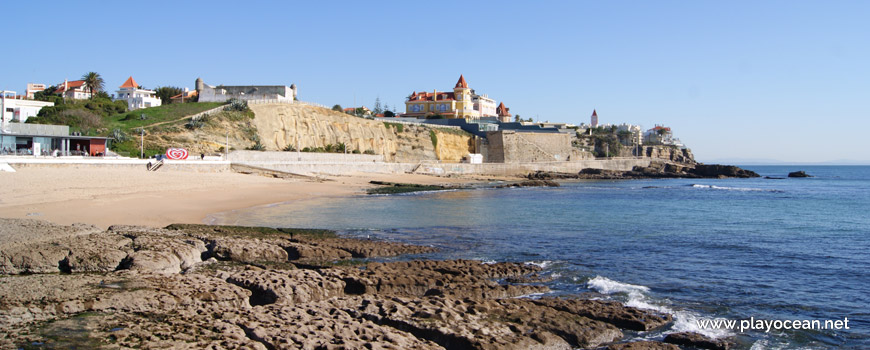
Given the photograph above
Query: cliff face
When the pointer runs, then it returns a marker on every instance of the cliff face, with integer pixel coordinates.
(301, 126)
(670, 153)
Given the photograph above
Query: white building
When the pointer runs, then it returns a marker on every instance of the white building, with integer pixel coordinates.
(484, 105)
(635, 130)
(18, 110)
(137, 98)
(222, 93)
(73, 90)
(32, 89)
(661, 135)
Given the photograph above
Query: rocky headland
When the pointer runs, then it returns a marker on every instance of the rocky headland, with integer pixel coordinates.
(656, 170)
(219, 287)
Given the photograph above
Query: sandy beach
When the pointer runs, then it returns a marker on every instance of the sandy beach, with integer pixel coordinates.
(110, 196)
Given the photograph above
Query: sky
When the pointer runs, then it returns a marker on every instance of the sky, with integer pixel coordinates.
(742, 81)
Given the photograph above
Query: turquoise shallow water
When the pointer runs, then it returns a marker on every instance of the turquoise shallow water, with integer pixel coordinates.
(733, 249)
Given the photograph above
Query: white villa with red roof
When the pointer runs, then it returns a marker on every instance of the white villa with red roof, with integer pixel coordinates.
(73, 90)
(462, 102)
(137, 98)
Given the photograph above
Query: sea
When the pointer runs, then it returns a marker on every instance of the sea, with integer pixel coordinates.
(704, 250)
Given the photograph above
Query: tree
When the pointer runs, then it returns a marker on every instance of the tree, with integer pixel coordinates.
(48, 96)
(165, 93)
(389, 114)
(94, 82)
(378, 109)
(517, 118)
(337, 108)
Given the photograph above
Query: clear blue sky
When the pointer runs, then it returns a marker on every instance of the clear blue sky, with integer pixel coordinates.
(778, 80)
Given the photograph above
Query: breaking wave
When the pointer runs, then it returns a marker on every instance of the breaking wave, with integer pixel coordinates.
(684, 321)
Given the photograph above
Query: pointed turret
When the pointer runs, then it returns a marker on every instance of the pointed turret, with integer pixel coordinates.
(461, 83)
(130, 83)
(594, 121)
(502, 111)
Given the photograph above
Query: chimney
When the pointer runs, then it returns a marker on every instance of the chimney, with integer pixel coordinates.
(435, 95)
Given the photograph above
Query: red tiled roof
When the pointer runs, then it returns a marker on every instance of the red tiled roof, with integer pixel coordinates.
(594, 113)
(71, 84)
(130, 83)
(501, 110)
(188, 94)
(461, 83)
(429, 96)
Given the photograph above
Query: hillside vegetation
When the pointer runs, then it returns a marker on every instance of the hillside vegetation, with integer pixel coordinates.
(173, 126)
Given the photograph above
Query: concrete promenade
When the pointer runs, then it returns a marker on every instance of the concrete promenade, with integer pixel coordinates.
(328, 164)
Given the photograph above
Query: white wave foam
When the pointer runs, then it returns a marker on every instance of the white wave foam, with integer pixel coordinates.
(684, 321)
(532, 296)
(541, 264)
(605, 285)
(740, 189)
(488, 262)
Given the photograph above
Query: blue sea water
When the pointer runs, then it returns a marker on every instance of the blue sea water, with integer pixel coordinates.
(772, 249)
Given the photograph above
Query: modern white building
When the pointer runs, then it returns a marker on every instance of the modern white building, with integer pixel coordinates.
(484, 105)
(16, 109)
(137, 98)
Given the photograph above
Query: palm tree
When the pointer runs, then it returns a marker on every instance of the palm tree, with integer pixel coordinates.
(94, 82)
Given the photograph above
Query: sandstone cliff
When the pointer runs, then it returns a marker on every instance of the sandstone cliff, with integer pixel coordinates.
(301, 126)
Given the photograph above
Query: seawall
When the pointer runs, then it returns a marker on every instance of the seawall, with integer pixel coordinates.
(333, 164)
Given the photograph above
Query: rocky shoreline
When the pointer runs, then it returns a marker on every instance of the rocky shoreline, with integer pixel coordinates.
(219, 287)
(656, 170)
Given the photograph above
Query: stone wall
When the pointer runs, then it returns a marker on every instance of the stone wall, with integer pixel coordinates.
(260, 157)
(509, 146)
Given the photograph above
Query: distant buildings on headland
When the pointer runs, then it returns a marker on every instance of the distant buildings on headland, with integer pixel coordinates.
(463, 107)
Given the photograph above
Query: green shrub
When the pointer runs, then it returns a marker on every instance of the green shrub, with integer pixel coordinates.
(399, 127)
(434, 137)
(237, 105)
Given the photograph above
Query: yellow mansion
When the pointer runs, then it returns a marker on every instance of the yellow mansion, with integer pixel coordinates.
(463, 102)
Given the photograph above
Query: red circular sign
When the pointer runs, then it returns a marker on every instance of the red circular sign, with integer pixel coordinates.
(176, 153)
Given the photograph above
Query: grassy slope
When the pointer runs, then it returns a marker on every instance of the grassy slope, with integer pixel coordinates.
(165, 115)
(132, 120)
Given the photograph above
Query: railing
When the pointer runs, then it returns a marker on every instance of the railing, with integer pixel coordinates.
(269, 101)
(45, 153)
(387, 120)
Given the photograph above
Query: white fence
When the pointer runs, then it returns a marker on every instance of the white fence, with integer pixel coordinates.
(387, 120)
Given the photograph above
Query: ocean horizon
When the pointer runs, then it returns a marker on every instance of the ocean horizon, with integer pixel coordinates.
(701, 249)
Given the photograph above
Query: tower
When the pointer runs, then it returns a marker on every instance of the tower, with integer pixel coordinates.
(594, 121)
(462, 94)
(199, 85)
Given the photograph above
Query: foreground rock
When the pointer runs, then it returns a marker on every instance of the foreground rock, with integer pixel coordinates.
(218, 287)
(696, 340)
(656, 170)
